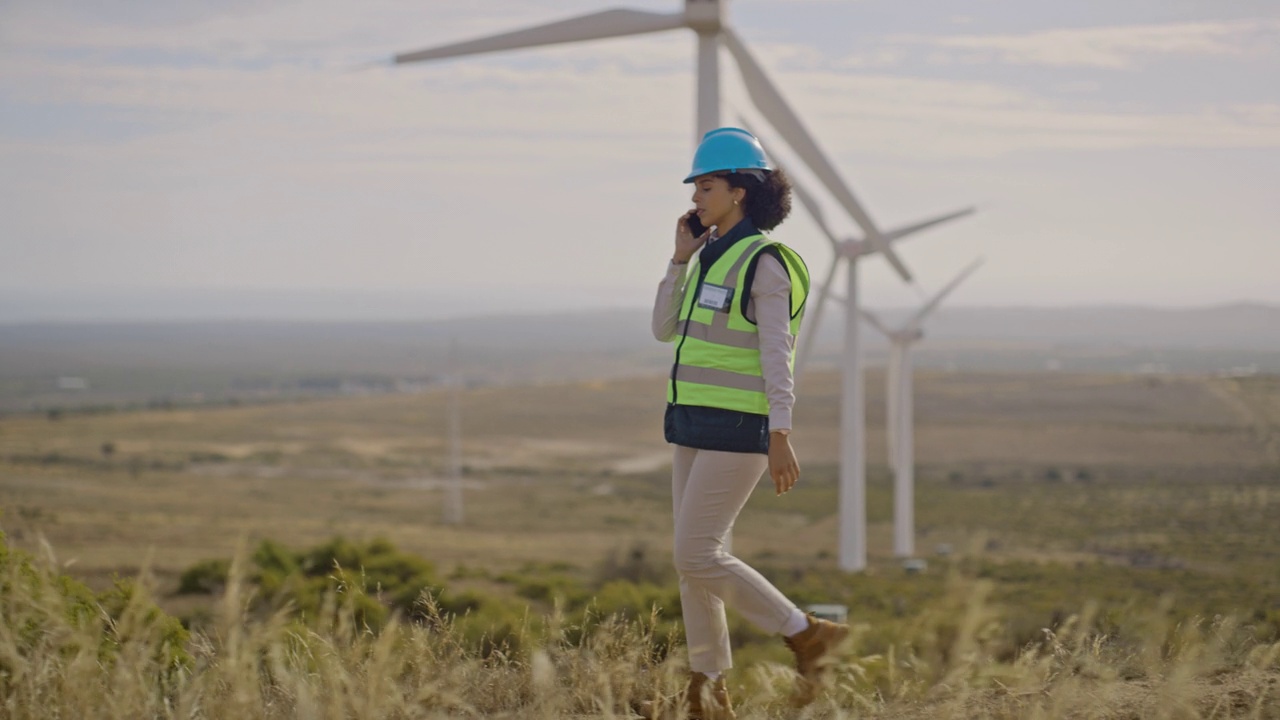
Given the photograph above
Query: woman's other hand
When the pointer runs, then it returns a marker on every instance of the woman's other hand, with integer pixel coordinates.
(686, 243)
(783, 466)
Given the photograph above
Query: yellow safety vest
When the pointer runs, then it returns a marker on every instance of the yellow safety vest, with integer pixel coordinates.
(718, 357)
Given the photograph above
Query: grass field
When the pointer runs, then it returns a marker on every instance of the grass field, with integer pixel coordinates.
(1137, 496)
(583, 466)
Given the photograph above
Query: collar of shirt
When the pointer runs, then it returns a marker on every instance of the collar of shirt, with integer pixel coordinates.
(717, 246)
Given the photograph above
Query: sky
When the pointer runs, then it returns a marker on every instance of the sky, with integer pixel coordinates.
(202, 158)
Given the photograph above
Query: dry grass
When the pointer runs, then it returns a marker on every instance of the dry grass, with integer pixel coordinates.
(1172, 472)
(189, 484)
(57, 662)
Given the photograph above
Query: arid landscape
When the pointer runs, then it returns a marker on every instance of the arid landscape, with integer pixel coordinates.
(583, 466)
(1047, 496)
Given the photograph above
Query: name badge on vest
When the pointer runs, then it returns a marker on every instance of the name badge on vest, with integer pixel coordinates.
(715, 297)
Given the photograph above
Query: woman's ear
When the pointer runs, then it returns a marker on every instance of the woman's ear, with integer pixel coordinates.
(739, 194)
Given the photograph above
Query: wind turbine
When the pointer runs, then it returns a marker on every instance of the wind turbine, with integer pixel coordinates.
(707, 19)
(900, 429)
(853, 473)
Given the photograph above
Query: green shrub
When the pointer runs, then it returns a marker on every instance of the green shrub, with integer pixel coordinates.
(636, 564)
(204, 578)
(40, 607)
(373, 578)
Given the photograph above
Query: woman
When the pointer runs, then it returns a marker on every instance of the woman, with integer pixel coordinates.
(733, 314)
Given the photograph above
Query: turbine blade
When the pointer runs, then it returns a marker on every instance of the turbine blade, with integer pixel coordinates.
(806, 345)
(913, 229)
(937, 299)
(815, 210)
(774, 107)
(875, 322)
(608, 23)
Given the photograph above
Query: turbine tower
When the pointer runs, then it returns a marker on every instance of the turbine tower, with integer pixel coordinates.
(707, 19)
(900, 425)
(853, 475)
(453, 504)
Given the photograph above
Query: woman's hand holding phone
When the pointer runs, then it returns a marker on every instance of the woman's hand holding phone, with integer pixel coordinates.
(687, 241)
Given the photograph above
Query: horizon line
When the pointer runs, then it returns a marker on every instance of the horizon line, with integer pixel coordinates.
(375, 318)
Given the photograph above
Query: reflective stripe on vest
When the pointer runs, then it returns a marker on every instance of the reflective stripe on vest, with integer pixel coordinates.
(718, 358)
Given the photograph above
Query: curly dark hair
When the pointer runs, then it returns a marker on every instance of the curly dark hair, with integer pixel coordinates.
(768, 201)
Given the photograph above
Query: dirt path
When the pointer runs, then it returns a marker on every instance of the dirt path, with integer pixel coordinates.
(1253, 402)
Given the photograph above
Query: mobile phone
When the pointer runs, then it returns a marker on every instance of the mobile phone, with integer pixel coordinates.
(695, 225)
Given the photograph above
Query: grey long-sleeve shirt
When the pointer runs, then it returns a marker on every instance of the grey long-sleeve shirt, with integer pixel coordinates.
(770, 309)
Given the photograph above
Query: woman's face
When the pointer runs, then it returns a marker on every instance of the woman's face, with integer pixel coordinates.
(714, 200)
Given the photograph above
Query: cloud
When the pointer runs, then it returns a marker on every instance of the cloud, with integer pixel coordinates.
(237, 33)
(251, 158)
(897, 114)
(1112, 47)
(915, 117)
(629, 99)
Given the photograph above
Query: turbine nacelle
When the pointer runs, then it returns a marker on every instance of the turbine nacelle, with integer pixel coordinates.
(854, 248)
(912, 330)
(704, 16)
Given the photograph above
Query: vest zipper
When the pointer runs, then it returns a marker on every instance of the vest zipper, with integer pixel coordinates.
(702, 275)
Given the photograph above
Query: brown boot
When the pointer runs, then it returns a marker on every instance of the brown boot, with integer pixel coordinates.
(708, 701)
(813, 648)
(699, 701)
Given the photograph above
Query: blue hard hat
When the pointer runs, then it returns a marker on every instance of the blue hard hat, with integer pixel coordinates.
(728, 149)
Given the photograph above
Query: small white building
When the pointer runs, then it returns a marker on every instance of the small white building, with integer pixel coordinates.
(1239, 371)
(67, 382)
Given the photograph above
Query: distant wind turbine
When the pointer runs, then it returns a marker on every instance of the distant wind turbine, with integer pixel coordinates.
(853, 472)
(900, 429)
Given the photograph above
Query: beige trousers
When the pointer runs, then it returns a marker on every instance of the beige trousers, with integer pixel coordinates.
(708, 490)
